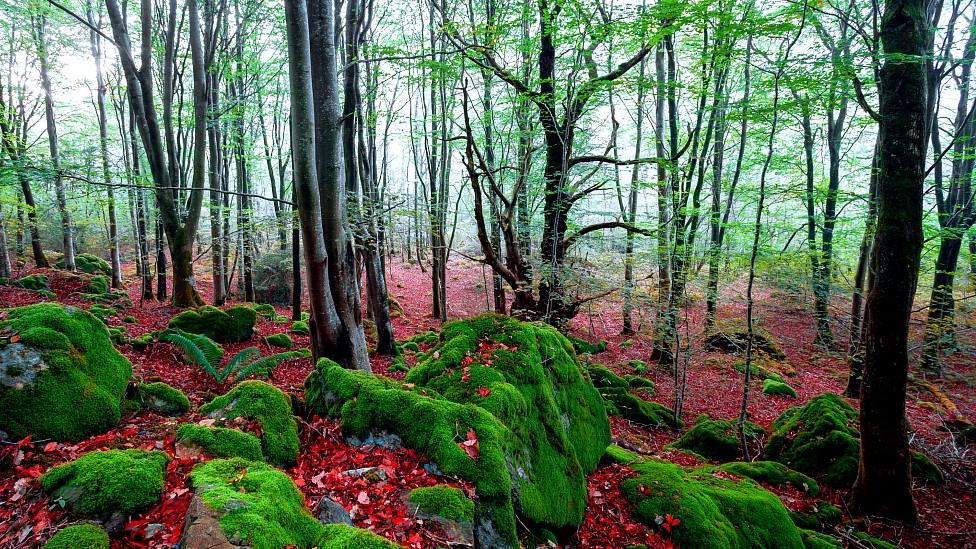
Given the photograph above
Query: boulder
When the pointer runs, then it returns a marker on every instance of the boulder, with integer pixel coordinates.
(715, 439)
(271, 408)
(60, 376)
(730, 335)
(163, 399)
(219, 442)
(448, 508)
(88, 263)
(79, 536)
(332, 512)
(223, 326)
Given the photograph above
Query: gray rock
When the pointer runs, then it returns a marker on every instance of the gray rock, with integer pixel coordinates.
(372, 474)
(457, 533)
(380, 439)
(331, 512)
(20, 365)
(203, 530)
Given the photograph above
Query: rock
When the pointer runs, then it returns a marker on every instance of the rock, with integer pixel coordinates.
(163, 399)
(60, 376)
(331, 512)
(715, 439)
(730, 335)
(232, 325)
(372, 474)
(379, 439)
(202, 529)
(449, 509)
(271, 408)
(154, 528)
(79, 536)
(194, 440)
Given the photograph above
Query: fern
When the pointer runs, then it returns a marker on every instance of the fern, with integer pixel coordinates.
(192, 351)
(263, 365)
(238, 361)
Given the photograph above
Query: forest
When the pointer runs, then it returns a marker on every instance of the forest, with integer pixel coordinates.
(692, 274)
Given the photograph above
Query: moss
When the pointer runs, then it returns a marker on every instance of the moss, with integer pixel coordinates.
(730, 335)
(88, 263)
(79, 536)
(758, 371)
(300, 327)
(816, 540)
(220, 442)
(342, 536)
(715, 439)
(772, 473)
(515, 387)
(98, 284)
(142, 342)
(443, 501)
(398, 365)
(824, 517)
(233, 325)
(616, 454)
(603, 377)
(163, 398)
(265, 310)
(818, 438)
(626, 343)
(103, 482)
(639, 366)
(620, 402)
(80, 391)
(411, 346)
(34, 282)
(872, 542)
(280, 340)
(640, 382)
(715, 512)
(925, 470)
(773, 387)
(129, 319)
(584, 347)
(272, 410)
(102, 313)
(426, 338)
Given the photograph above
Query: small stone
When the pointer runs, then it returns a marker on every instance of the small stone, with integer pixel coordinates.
(331, 512)
(153, 529)
(372, 474)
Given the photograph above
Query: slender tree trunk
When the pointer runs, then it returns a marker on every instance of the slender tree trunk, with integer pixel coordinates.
(884, 482)
(855, 356)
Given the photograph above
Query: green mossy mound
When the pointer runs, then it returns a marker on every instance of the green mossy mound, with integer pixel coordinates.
(271, 408)
(715, 439)
(443, 501)
(773, 387)
(300, 327)
(603, 377)
(715, 512)
(79, 536)
(638, 382)
(263, 508)
(622, 403)
(62, 379)
(104, 482)
(867, 540)
(824, 517)
(816, 540)
(820, 438)
(36, 282)
(265, 310)
(616, 454)
(220, 442)
(584, 347)
(772, 473)
(758, 371)
(516, 388)
(280, 340)
(230, 326)
(88, 263)
(730, 335)
(98, 284)
(163, 399)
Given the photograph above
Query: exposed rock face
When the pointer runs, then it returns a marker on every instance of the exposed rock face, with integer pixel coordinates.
(202, 530)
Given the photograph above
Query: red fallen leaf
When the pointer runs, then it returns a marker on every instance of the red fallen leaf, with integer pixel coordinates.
(317, 479)
(363, 498)
(483, 392)
(50, 446)
(470, 446)
(15, 338)
(467, 374)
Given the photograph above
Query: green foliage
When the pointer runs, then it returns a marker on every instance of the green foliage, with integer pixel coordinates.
(200, 350)
(271, 408)
(79, 536)
(103, 482)
(80, 391)
(715, 512)
(221, 442)
(773, 387)
(262, 506)
(233, 325)
(36, 282)
(163, 398)
(715, 439)
(280, 340)
(444, 501)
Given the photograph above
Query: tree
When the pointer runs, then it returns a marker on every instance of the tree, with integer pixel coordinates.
(883, 484)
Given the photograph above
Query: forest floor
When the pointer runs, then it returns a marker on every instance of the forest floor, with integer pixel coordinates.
(947, 512)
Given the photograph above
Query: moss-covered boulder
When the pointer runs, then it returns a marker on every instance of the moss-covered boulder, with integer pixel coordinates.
(448, 508)
(280, 340)
(224, 326)
(88, 263)
(730, 335)
(773, 387)
(79, 536)
(821, 439)
(36, 282)
(101, 483)
(603, 377)
(715, 439)
(163, 399)
(260, 506)
(824, 516)
(499, 402)
(219, 442)
(300, 327)
(621, 402)
(60, 376)
(716, 512)
(271, 408)
(98, 284)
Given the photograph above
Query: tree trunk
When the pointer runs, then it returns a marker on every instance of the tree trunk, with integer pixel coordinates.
(855, 356)
(884, 484)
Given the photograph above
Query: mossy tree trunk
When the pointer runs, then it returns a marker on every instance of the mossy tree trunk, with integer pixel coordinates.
(884, 485)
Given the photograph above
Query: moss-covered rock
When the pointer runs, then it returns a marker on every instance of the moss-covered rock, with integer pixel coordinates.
(163, 399)
(816, 540)
(271, 408)
(98, 284)
(79, 536)
(229, 326)
(60, 376)
(500, 403)
(300, 327)
(616, 454)
(603, 377)
(220, 442)
(104, 482)
(730, 335)
(772, 473)
(638, 382)
(444, 501)
(280, 340)
(824, 516)
(758, 371)
(773, 387)
(36, 282)
(821, 439)
(265, 310)
(621, 402)
(715, 439)
(715, 512)
(260, 506)
(88, 263)
(584, 347)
